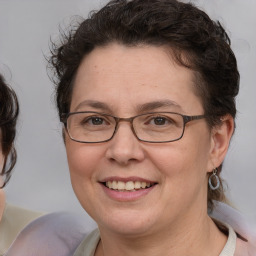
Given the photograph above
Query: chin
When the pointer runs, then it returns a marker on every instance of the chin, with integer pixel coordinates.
(127, 223)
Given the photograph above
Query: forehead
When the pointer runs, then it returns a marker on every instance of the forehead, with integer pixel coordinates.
(117, 58)
(117, 74)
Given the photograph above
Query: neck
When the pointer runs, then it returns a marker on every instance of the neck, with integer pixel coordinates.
(2, 203)
(194, 238)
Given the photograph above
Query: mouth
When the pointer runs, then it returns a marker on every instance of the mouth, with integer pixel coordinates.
(130, 186)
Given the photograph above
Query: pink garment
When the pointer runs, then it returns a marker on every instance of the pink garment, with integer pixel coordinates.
(55, 234)
(243, 227)
(59, 234)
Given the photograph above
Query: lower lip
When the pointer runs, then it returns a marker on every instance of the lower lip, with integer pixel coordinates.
(127, 195)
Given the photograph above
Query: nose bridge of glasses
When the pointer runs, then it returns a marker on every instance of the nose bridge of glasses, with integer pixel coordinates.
(122, 119)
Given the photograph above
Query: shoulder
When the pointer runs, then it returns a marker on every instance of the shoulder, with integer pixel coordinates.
(242, 248)
(50, 235)
(244, 228)
(89, 244)
(13, 221)
(17, 217)
(22, 212)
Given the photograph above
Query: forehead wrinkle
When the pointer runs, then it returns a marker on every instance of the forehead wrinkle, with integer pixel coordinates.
(150, 106)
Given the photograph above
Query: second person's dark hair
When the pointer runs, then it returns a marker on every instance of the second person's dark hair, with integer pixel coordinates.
(9, 110)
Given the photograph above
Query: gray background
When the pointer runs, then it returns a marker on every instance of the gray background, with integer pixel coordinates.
(41, 178)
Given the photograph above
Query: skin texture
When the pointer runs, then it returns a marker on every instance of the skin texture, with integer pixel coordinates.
(125, 78)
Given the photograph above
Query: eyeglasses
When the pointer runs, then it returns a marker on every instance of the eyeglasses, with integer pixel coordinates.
(156, 127)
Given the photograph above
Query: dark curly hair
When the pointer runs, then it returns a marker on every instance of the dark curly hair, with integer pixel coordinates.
(195, 41)
(9, 110)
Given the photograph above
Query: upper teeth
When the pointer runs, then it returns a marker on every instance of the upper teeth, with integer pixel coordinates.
(130, 185)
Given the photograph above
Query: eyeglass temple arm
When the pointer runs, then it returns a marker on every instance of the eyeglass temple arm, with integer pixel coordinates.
(191, 118)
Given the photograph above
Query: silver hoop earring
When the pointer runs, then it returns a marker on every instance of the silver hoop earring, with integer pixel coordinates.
(215, 176)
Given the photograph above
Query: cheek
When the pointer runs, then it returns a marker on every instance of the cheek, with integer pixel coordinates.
(82, 159)
(83, 163)
(183, 173)
(182, 160)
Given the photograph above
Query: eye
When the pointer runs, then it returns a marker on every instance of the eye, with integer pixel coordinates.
(160, 121)
(89, 122)
(95, 120)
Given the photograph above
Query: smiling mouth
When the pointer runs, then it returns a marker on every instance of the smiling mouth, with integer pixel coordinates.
(128, 186)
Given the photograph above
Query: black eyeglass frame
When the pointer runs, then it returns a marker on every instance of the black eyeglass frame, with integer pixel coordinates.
(186, 119)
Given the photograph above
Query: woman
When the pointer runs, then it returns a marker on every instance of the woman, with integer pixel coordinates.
(146, 91)
(45, 232)
(12, 218)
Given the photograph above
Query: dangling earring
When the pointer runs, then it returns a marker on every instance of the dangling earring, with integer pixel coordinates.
(215, 176)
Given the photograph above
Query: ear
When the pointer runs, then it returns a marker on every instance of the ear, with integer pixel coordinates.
(220, 138)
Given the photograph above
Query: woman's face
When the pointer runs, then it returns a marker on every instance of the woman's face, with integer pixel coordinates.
(128, 81)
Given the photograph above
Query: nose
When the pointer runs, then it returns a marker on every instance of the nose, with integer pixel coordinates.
(125, 147)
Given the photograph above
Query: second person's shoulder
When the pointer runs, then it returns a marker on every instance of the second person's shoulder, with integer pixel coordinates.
(50, 235)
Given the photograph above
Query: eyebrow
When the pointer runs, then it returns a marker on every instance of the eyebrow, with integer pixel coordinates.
(145, 107)
(94, 104)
